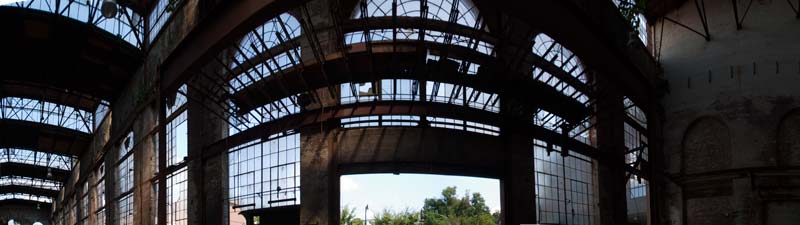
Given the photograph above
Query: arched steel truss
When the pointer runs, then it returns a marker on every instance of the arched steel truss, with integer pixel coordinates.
(127, 25)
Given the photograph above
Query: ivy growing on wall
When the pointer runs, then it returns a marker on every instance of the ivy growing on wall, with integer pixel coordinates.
(630, 9)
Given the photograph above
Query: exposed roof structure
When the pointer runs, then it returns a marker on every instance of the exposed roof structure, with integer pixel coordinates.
(66, 65)
(261, 71)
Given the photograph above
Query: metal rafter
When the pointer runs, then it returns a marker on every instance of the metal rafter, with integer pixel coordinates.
(739, 21)
(701, 11)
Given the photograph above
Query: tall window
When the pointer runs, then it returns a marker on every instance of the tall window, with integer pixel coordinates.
(177, 151)
(159, 17)
(84, 203)
(265, 174)
(563, 186)
(125, 181)
(176, 197)
(100, 195)
(637, 148)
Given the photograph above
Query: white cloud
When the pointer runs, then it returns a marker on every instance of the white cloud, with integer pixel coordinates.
(495, 209)
(347, 184)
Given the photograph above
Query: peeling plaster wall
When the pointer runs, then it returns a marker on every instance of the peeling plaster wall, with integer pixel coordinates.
(729, 129)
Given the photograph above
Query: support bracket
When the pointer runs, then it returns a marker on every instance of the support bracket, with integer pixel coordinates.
(701, 11)
(796, 9)
(740, 21)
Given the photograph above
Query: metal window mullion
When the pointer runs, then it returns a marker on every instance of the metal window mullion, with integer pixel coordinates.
(271, 57)
(251, 77)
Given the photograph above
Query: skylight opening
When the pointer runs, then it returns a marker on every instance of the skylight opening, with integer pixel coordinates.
(461, 12)
(265, 50)
(37, 158)
(126, 25)
(31, 110)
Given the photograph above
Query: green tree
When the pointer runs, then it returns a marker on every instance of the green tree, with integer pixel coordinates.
(348, 217)
(406, 217)
(449, 209)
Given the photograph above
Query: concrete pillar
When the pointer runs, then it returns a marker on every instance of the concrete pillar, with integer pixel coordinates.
(144, 165)
(319, 180)
(611, 189)
(207, 178)
(161, 198)
(110, 161)
(518, 183)
(657, 183)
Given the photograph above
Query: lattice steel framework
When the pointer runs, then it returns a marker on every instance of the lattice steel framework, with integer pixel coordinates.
(272, 53)
(38, 111)
(636, 156)
(127, 25)
(564, 186)
(30, 182)
(37, 158)
(28, 197)
(265, 174)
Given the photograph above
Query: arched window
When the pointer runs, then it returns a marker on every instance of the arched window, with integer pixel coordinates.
(265, 50)
(461, 12)
(37, 223)
(464, 11)
(560, 56)
(127, 24)
(563, 60)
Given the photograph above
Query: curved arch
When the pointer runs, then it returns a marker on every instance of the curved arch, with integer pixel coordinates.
(562, 59)
(263, 52)
(32, 110)
(26, 197)
(788, 148)
(127, 25)
(43, 137)
(37, 158)
(706, 146)
(460, 12)
(547, 47)
(467, 13)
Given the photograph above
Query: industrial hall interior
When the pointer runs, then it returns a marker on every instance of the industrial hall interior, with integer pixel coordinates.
(400, 112)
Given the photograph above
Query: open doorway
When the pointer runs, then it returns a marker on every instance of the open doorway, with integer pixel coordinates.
(368, 199)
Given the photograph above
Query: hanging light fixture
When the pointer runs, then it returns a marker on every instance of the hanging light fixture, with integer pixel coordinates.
(49, 173)
(109, 8)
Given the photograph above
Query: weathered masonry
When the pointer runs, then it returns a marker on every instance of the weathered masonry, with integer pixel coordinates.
(590, 112)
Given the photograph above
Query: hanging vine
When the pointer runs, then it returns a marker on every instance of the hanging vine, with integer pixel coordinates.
(631, 9)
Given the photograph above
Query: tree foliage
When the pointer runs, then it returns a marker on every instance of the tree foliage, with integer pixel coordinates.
(348, 217)
(447, 209)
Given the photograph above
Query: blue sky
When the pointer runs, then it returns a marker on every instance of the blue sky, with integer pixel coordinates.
(397, 192)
